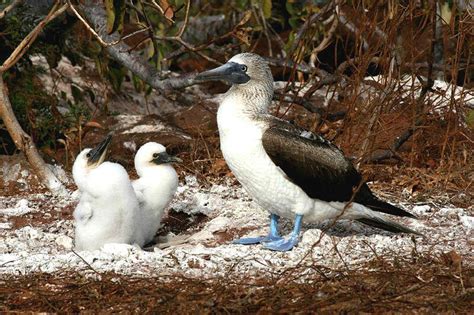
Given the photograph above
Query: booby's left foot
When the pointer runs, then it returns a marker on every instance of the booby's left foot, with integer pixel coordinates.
(286, 245)
(272, 236)
(257, 240)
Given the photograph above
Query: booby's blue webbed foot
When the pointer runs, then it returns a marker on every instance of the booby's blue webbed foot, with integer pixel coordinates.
(284, 245)
(272, 236)
(257, 240)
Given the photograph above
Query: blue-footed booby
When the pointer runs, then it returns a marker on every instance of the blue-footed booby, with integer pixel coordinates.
(287, 170)
(108, 210)
(156, 186)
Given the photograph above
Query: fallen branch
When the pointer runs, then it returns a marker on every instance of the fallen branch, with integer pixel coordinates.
(24, 143)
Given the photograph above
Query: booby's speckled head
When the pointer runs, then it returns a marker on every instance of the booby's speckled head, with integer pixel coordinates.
(152, 154)
(242, 69)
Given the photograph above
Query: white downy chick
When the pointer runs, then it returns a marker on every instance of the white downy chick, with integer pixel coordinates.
(108, 210)
(156, 186)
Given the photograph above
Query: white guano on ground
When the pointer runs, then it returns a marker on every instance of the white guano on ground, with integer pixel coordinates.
(47, 247)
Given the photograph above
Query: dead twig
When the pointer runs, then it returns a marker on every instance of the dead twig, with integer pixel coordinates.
(179, 38)
(426, 86)
(90, 29)
(9, 7)
(96, 16)
(326, 40)
(31, 37)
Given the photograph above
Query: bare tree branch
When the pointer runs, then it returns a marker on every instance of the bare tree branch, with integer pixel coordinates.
(10, 7)
(96, 16)
(353, 29)
(426, 86)
(31, 37)
(325, 42)
(24, 143)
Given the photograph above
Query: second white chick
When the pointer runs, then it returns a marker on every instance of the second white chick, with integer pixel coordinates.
(156, 186)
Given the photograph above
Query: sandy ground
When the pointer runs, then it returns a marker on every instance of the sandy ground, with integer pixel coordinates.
(36, 232)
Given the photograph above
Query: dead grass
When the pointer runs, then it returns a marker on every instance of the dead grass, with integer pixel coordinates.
(416, 285)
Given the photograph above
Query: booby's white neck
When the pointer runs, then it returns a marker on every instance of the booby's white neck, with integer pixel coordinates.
(241, 105)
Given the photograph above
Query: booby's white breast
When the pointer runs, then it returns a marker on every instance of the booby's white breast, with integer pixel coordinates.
(241, 145)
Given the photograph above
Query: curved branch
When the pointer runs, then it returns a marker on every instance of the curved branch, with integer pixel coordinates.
(24, 143)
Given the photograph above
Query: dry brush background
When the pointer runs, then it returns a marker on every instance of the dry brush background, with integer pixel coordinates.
(390, 82)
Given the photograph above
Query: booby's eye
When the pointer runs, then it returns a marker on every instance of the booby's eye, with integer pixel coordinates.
(88, 155)
(155, 155)
(243, 68)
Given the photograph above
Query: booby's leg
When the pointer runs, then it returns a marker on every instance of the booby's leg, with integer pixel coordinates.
(286, 245)
(271, 237)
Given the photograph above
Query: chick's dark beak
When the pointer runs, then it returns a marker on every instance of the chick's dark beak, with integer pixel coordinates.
(163, 158)
(230, 72)
(96, 156)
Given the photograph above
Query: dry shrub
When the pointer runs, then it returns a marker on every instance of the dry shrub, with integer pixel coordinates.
(420, 284)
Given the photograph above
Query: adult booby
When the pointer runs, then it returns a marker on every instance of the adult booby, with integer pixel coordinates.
(156, 186)
(287, 170)
(108, 210)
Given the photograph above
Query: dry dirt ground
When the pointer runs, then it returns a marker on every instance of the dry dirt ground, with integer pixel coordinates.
(337, 267)
(345, 268)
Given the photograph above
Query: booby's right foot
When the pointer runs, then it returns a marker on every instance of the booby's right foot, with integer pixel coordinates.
(272, 236)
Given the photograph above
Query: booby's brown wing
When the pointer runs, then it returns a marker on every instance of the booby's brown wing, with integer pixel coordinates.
(311, 162)
(319, 167)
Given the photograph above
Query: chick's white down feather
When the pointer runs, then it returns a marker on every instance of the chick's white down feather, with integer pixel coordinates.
(108, 210)
(154, 189)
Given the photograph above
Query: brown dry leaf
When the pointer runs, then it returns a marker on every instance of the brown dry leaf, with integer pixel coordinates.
(93, 124)
(219, 166)
(453, 259)
(245, 18)
(242, 35)
(413, 186)
(167, 9)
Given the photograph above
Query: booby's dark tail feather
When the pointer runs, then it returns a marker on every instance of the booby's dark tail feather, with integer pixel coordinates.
(382, 206)
(387, 225)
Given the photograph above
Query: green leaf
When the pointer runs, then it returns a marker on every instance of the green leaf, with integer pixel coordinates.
(446, 13)
(109, 9)
(137, 83)
(267, 8)
(77, 94)
(119, 7)
(470, 119)
(115, 14)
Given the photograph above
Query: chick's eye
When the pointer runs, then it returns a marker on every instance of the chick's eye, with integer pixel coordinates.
(243, 68)
(88, 155)
(155, 155)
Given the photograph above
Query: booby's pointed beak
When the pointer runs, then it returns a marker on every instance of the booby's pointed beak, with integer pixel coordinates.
(164, 158)
(96, 156)
(230, 72)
